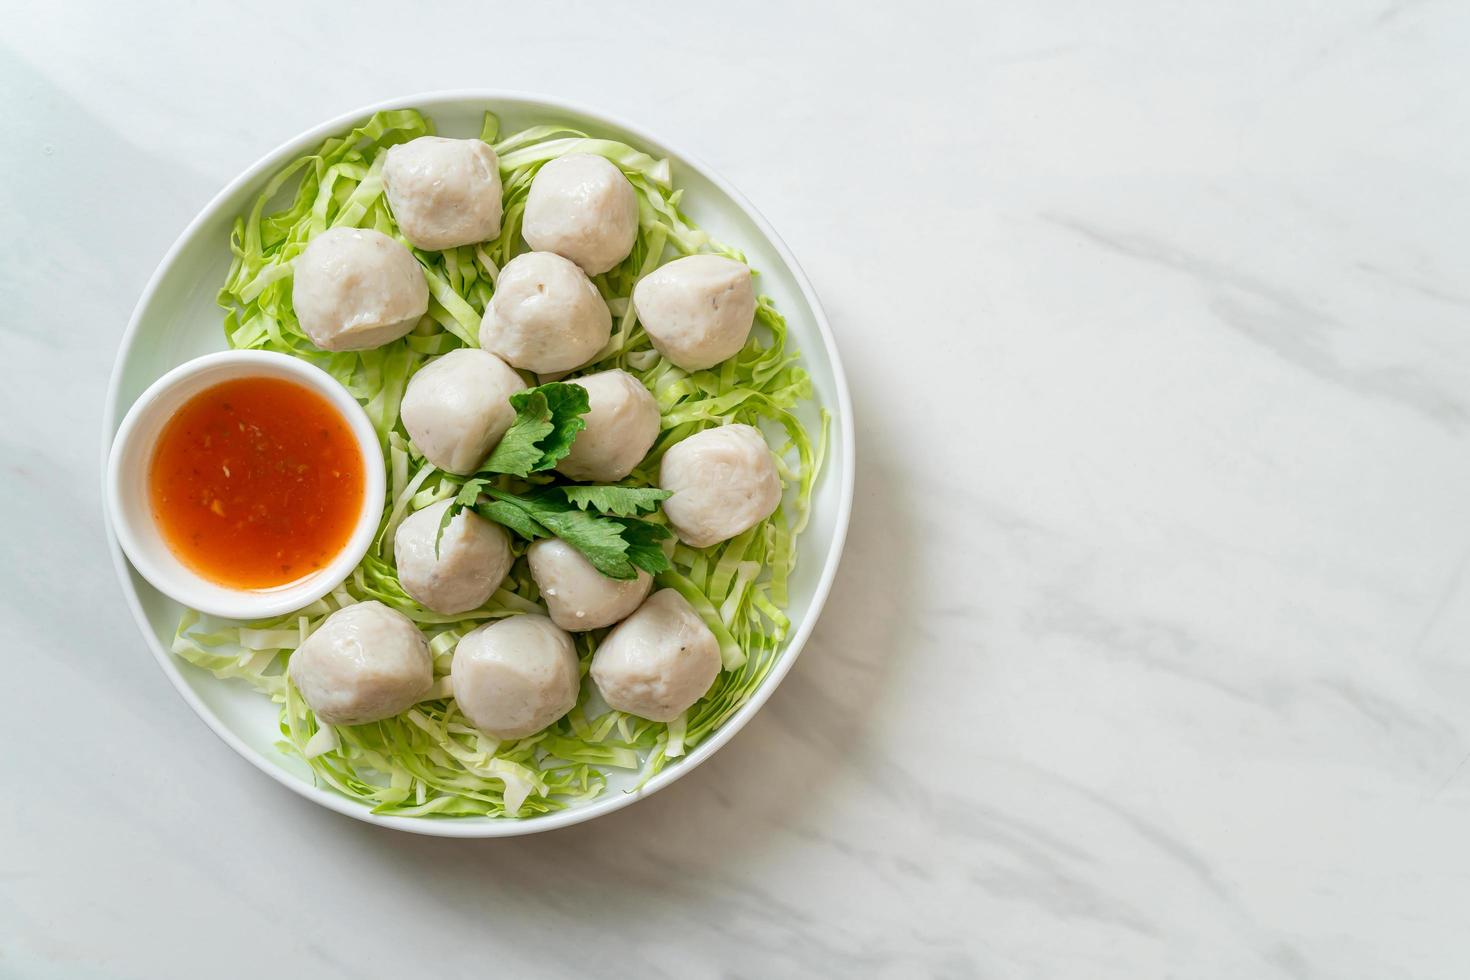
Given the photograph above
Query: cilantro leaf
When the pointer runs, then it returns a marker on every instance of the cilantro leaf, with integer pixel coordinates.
(598, 538)
(617, 501)
(568, 403)
(512, 517)
(468, 494)
(645, 545)
(548, 418)
(616, 544)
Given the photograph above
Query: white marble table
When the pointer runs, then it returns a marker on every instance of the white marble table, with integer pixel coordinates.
(1151, 653)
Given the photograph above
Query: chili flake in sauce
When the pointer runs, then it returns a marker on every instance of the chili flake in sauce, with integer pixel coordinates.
(256, 482)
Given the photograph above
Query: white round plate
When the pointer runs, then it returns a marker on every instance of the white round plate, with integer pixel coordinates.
(177, 319)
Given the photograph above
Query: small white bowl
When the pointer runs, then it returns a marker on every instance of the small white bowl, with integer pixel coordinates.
(132, 515)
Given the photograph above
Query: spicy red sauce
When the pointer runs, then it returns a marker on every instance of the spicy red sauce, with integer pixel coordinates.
(256, 482)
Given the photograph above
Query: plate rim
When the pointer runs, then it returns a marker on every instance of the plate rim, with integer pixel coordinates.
(487, 828)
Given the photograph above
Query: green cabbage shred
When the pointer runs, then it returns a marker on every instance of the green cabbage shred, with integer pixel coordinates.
(429, 761)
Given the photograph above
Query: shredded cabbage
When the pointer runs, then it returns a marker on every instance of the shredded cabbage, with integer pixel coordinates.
(429, 761)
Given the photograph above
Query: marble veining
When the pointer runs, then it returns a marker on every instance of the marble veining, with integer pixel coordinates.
(1148, 657)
